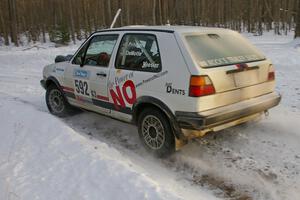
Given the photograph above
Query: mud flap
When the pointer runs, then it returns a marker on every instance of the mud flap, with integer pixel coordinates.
(179, 143)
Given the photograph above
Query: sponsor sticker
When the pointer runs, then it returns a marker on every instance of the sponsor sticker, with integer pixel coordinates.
(150, 65)
(156, 76)
(81, 73)
(133, 53)
(58, 71)
(171, 90)
(228, 60)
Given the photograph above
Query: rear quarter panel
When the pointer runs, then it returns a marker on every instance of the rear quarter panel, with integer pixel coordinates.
(175, 88)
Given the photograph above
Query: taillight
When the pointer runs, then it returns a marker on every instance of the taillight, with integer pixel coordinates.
(201, 86)
(271, 73)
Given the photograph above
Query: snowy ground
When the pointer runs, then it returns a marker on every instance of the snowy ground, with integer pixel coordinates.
(89, 156)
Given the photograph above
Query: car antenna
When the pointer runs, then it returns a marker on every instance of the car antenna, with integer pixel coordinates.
(115, 18)
(168, 23)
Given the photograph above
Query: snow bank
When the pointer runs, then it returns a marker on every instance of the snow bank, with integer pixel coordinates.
(42, 158)
(285, 55)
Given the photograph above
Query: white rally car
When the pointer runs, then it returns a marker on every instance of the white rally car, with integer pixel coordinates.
(173, 82)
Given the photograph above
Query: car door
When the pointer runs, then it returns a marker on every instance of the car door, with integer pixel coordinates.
(136, 73)
(88, 74)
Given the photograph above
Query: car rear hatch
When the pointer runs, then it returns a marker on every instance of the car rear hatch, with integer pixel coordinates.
(235, 67)
(239, 76)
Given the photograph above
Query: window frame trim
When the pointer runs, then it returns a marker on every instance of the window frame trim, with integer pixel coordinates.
(88, 42)
(119, 48)
(79, 49)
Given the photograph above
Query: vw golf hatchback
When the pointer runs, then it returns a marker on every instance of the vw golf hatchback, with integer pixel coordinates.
(173, 82)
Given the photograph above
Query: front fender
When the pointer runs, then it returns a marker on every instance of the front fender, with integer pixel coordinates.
(52, 79)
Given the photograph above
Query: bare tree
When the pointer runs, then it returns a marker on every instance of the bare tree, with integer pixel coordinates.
(78, 18)
(297, 31)
(12, 21)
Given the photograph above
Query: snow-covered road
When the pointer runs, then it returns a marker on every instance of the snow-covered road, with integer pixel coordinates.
(89, 156)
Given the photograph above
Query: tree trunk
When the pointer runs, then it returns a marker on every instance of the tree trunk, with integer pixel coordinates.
(13, 21)
(297, 31)
(154, 13)
(72, 29)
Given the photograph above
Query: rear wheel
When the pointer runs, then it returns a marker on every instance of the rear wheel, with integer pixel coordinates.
(156, 132)
(56, 102)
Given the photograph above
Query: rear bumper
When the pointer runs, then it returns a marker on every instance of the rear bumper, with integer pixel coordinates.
(226, 114)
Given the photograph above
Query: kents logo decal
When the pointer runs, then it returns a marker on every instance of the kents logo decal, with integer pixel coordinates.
(171, 90)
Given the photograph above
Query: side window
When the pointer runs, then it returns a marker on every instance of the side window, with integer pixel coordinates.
(139, 52)
(78, 58)
(98, 52)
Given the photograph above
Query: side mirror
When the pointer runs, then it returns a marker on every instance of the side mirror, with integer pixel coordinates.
(69, 57)
(61, 58)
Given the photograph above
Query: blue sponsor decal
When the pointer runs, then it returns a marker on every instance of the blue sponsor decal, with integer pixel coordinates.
(81, 73)
(60, 70)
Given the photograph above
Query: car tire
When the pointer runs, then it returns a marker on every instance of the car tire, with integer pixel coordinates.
(156, 133)
(57, 103)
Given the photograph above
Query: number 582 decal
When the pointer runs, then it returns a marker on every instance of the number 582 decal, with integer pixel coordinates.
(82, 87)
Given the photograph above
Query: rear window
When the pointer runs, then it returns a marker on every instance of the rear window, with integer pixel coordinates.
(212, 50)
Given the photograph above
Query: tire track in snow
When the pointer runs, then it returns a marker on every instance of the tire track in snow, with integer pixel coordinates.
(36, 105)
(124, 137)
(264, 179)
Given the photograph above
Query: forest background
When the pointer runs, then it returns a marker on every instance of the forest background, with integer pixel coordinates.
(62, 21)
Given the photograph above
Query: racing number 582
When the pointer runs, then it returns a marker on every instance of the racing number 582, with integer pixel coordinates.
(82, 87)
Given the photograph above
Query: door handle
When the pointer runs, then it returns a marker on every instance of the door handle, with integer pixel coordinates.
(101, 74)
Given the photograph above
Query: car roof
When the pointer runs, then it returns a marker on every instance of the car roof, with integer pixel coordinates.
(167, 28)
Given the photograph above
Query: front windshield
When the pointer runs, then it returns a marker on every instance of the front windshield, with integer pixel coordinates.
(212, 50)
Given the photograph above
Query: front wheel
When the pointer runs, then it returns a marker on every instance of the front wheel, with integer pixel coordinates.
(156, 133)
(56, 102)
